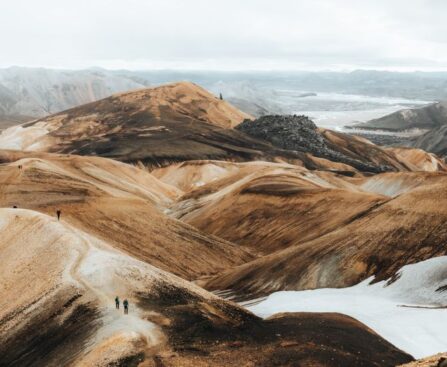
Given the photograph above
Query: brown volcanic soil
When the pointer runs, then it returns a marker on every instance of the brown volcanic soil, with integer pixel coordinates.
(157, 126)
(400, 159)
(273, 206)
(175, 123)
(118, 203)
(213, 333)
(405, 229)
(56, 309)
(316, 229)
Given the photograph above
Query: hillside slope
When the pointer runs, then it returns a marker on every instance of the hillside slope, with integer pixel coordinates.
(428, 117)
(406, 228)
(433, 141)
(118, 203)
(264, 206)
(171, 123)
(68, 316)
(299, 133)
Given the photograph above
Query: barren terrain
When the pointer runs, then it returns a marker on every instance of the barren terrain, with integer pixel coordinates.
(163, 201)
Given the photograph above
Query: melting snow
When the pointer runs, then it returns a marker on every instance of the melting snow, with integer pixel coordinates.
(403, 312)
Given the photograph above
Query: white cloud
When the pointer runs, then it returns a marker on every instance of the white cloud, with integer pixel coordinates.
(225, 34)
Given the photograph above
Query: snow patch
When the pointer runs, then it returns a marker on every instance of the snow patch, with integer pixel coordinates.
(410, 313)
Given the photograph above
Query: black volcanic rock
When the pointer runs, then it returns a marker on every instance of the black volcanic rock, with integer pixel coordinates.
(299, 133)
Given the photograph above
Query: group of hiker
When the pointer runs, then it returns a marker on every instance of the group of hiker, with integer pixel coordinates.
(117, 300)
(125, 305)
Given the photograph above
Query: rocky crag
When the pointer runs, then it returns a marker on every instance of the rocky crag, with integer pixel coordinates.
(299, 133)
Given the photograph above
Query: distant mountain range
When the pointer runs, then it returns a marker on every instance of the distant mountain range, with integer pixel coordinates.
(431, 120)
(38, 92)
(427, 117)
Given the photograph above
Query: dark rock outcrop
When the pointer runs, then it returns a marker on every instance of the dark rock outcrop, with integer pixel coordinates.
(299, 133)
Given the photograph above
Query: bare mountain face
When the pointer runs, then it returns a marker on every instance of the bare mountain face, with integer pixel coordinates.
(433, 141)
(430, 120)
(41, 92)
(113, 239)
(311, 229)
(299, 133)
(181, 121)
(285, 206)
(171, 123)
(303, 225)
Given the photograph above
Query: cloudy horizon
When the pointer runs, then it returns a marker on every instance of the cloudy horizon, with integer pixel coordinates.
(341, 35)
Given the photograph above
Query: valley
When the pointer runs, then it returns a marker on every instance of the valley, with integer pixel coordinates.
(265, 240)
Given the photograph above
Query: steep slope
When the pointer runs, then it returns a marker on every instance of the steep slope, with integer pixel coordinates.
(412, 304)
(68, 316)
(419, 159)
(400, 159)
(171, 123)
(407, 228)
(433, 141)
(265, 206)
(118, 203)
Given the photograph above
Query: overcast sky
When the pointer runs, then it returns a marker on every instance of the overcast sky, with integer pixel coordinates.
(225, 34)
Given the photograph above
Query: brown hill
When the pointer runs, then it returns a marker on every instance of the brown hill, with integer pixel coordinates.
(68, 317)
(179, 122)
(116, 202)
(400, 159)
(175, 122)
(265, 206)
(299, 133)
(405, 228)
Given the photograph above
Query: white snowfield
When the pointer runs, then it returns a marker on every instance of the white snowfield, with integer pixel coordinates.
(410, 313)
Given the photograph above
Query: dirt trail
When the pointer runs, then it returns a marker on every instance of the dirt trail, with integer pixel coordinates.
(114, 322)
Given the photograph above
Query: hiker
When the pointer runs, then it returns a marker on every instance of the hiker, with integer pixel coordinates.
(126, 306)
(15, 206)
(58, 213)
(20, 166)
(117, 302)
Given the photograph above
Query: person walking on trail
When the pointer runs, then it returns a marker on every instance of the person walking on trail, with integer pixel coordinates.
(126, 306)
(117, 302)
(58, 213)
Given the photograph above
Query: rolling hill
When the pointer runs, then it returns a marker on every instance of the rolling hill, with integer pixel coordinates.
(155, 126)
(79, 264)
(212, 201)
(405, 227)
